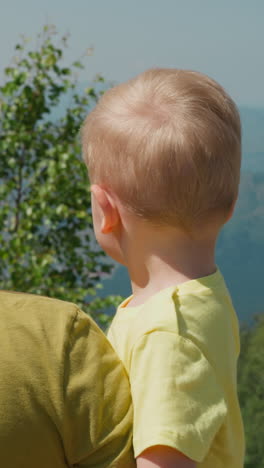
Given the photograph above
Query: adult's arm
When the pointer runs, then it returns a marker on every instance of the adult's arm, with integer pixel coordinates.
(98, 411)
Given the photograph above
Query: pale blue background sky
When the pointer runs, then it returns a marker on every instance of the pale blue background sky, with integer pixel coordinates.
(223, 38)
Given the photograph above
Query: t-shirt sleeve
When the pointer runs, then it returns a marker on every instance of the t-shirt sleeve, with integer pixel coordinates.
(176, 397)
(97, 429)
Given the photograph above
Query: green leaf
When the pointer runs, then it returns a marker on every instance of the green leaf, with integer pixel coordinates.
(45, 219)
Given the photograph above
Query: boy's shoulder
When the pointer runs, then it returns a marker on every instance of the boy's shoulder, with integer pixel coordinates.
(197, 308)
(157, 313)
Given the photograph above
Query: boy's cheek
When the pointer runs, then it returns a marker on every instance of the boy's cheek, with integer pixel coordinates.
(110, 245)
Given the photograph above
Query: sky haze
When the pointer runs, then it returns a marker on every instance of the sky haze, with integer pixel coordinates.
(224, 39)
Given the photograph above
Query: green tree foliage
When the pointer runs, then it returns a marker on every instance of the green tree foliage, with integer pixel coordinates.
(251, 391)
(46, 241)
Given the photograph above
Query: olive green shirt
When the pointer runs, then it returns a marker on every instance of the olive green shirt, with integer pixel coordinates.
(64, 396)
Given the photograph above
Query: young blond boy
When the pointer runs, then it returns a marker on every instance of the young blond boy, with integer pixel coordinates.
(163, 152)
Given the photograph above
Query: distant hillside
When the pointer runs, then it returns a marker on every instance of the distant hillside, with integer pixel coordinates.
(253, 130)
(240, 250)
(253, 139)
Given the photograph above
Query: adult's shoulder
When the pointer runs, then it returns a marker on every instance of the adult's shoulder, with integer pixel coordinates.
(24, 305)
(38, 319)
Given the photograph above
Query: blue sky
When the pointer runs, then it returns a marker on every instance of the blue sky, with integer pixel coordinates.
(223, 38)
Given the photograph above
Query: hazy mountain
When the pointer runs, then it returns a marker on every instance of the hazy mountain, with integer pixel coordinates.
(253, 130)
(253, 139)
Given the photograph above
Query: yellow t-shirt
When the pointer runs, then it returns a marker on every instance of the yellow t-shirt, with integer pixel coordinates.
(64, 395)
(180, 351)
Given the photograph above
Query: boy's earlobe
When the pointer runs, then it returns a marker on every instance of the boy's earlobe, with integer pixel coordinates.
(110, 214)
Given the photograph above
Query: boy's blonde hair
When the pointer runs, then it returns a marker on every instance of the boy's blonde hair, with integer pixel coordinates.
(168, 143)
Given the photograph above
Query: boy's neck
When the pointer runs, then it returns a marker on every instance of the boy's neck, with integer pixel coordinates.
(162, 261)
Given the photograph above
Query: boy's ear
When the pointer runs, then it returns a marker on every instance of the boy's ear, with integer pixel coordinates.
(110, 213)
